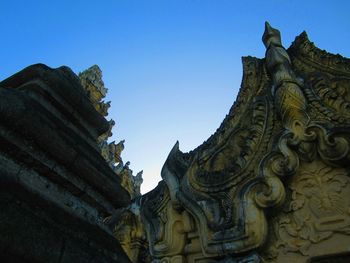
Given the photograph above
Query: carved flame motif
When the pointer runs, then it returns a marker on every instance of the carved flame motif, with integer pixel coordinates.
(223, 166)
(333, 94)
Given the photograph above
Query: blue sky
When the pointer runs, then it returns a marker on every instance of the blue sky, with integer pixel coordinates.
(172, 67)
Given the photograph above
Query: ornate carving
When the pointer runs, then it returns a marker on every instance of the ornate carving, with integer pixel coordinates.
(272, 183)
(91, 80)
(314, 59)
(125, 222)
(213, 183)
(128, 229)
(274, 175)
(167, 230)
(310, 153)
(129, 181)
(329, 97)
(214, 198)
(333, 92)
(319, 207)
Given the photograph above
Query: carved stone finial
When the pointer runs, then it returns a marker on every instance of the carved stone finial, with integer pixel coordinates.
(93, 77)
(271, 36)
(289, 98)
(91, 80)
(138, 180)
(104, 137)
(120, 145)
(139, 174)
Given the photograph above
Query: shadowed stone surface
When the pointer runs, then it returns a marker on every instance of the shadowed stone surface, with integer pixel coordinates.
(56, 188)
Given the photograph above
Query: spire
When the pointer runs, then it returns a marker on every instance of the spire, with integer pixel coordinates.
(271, 36)
(289, 98)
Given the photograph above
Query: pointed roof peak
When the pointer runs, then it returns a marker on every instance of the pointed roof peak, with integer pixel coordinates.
(271, 35)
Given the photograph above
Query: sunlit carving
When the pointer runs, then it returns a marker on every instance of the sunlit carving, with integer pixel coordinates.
(272, 183)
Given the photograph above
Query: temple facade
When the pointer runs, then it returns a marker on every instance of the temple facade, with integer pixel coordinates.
(270, 185)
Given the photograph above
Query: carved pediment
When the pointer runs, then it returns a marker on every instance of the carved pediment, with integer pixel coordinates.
(284, 143)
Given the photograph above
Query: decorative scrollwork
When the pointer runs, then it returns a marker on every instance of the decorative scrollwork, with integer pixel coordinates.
(271, 177)
(319, 208)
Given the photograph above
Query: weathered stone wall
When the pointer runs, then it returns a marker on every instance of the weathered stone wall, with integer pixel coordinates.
(56, 188)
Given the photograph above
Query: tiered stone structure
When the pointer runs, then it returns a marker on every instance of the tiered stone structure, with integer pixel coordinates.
(56, 188)
(91, 80)
(125, 222)
(272, 184)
